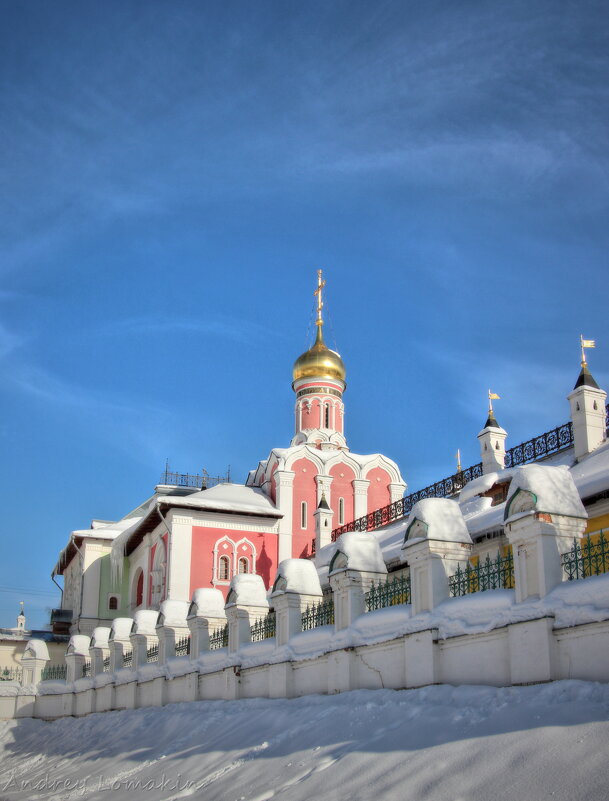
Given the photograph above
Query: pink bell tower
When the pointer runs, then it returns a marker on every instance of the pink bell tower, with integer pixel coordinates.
(319, 382)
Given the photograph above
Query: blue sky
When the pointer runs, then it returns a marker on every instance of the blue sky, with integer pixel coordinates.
(172, 175)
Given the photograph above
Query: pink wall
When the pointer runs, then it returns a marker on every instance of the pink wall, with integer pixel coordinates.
(378, 491)
(341, 487)
(305, 489)
(202, 555)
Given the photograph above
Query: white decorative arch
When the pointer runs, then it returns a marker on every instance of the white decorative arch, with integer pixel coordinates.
(159, 573)
(220, 550)
(385, 464)
(250, 554)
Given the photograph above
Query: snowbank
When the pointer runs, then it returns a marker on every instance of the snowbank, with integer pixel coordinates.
(439, 743)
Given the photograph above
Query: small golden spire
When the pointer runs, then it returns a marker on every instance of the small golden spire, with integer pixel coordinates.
(586, 343)
(458, 460)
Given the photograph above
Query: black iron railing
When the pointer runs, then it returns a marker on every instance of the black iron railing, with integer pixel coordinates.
(54, 673)
(219, 639)
(128, 659)
(86, 669)
(11, 674)
(106, 665)
(320, 614)
(183, 646)
(587, 558)
(538, 447)
(199, 480)
(264, 628)
(492, 574)
(391, 592)
(152, 654)
(402, 507)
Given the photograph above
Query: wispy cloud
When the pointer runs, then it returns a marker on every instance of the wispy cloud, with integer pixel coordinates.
(215, 325)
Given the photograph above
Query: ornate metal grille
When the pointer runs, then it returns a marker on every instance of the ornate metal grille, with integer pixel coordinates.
(219, 639)
(106, 665)
(264, 628)
(152, 654)
(201, 480)
(11, 674)
(86, 669)
(391, 592)
(320, 614)
(538, 447)
(492, 574)
(586, 558)
(54, 673)
(183, 646)
(128, 659)
(402, 507)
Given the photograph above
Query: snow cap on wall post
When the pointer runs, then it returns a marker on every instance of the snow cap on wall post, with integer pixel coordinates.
(144, 622)
(206, 602)
(297, 576)
(173, 613)
(358, 551)
(545, 489)
(79, 644)
(436, 519)
(247, 589)
(121, 629)
(100, 637)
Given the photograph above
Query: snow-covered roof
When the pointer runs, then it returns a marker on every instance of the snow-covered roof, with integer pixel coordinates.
(297, 575)
(591, 474)
(437, 519)
(231, 498)
(552, 488)
(207, 602)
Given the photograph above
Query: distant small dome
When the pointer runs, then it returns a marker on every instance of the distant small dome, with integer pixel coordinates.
(319, 362)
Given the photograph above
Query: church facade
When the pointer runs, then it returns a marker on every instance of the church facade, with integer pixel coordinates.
(181, 540)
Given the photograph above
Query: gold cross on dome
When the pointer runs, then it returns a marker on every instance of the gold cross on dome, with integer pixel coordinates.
(320, 304)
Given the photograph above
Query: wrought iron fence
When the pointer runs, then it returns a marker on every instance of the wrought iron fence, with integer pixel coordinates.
(106, 665)
(538, 447)
(492, 574)
(391, 592)
(587, 558)
(402, 507)
(54, 673)
(219, 639)
(183, 646)
(152, 654)
(11, 674)
(199, 480)
(128, 659)
(320, 614)
(264, 628)
(86, 669)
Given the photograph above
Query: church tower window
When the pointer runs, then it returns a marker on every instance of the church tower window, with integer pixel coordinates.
(303, 514)
(341, 511)
(243, 566)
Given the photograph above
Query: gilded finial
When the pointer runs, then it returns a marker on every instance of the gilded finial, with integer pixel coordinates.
(491, 397)
(458, 455)
(320, 303)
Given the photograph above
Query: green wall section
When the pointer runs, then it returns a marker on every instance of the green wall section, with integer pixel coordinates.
(106, 587)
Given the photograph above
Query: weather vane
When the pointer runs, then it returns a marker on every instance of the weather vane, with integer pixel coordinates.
(586, 343)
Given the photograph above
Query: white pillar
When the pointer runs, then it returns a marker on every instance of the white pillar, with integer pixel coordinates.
(360, 497)
(33, 662)
(284, 497)
(432, 562)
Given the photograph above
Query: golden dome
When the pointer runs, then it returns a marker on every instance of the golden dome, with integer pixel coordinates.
(319, 362)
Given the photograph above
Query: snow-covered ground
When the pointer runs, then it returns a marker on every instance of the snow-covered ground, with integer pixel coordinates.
(443, 743)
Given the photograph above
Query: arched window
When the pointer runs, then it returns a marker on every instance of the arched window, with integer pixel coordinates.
(303, 514)
(244, 565)
(327, 415)
(341, 511)
(223, 568)
(113, 602)
(139, 589)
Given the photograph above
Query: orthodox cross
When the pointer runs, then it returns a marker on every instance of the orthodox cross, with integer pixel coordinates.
(320, 304)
